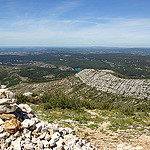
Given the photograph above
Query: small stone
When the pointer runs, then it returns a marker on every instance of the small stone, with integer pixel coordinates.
(139, 147)
(40, 145)
(38, 127)
(46, 144)
(27, 141)
(47, 137)
(28, 135)
(12, 126)
(139, 128)
(8, 141)
(51, 132)
(52, 142)
(1, 128)
(17, 134)
(4, 135)
(71, 131)
(56, 136)
(28, 146)
(42, 136)
(27, 123)
(59, 145)
(12, 138)
(34, 140)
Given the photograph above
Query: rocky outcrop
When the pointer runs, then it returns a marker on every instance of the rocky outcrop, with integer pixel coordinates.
(103, 80)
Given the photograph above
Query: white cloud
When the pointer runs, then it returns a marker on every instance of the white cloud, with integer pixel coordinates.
(89, 31)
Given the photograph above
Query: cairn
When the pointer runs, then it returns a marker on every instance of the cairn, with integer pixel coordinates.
(20, 129)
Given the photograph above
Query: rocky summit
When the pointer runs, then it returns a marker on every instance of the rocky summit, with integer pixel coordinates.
(20, 129)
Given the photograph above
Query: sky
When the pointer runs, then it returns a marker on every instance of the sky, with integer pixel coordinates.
(112, 23)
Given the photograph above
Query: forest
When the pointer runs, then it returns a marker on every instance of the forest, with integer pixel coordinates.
(46, 66)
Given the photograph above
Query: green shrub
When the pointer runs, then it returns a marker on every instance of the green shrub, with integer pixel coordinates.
(22, 99)
(60, 100)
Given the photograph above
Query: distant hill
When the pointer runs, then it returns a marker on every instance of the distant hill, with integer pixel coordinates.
(93, 49)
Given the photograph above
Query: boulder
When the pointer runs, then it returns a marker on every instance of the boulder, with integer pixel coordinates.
(27, 123)
(7, 116)
(7, 108)
(25, 108)
(12, 126)
(7, 101)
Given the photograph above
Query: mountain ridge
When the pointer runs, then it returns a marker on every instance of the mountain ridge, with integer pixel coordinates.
(105, 81)
(73, 86)
(102, 80)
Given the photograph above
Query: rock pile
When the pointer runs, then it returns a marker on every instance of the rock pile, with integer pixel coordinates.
(20, 129)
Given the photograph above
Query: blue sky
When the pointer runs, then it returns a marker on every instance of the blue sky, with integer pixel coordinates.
(119, 23)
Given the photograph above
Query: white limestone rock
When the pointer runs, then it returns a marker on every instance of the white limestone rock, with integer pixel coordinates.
(25, 108)
(28, 135)
(56, 136)
(52, 142)
(34, 140)
(27, 123)
(7, 101)
(4, 135)
(17, 134)
(1, 128)
(7, 108)
(42, 136)
(17, 144)
(28, 146)
(1, 121)
(40, 145)
(47, 137)
(39, 127)
(46, 144)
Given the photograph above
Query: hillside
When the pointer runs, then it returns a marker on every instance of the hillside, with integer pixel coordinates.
(120, 121)
(105, 81)
(100, 87)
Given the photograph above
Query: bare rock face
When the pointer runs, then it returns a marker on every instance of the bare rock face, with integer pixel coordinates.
(105, 81)
(12, 126)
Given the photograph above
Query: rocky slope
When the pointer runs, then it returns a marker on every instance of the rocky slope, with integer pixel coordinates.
(103, 80)
(100, 87)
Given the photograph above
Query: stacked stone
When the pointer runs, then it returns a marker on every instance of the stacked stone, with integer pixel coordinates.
(7, 102)
(21, 130)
